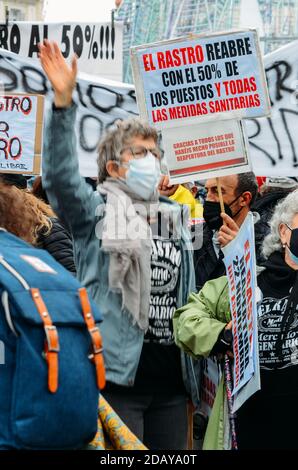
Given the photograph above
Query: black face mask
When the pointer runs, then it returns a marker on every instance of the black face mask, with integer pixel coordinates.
(212, 211)
(294, 241)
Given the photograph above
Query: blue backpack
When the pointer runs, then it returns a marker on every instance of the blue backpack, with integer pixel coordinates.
(51, 362)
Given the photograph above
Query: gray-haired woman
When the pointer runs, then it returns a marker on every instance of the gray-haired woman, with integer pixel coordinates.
(269, 418)
(133, 253)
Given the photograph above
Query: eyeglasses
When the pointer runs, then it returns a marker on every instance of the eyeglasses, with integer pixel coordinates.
(288, 227)
(141, 152)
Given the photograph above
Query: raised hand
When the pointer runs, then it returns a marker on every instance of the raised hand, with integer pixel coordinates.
(61, 76)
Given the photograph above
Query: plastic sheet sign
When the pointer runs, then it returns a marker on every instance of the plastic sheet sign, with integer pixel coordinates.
(240, 265)
(210, 380)
(98, 46)
(21, 126)
(205, 150)
(183, 80)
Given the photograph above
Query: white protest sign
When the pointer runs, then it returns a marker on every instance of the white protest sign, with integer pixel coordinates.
(98, 45)
(274, 141)
(21, 125)
(182, 81)
(100, 102)
(206, 150)
(240, 265)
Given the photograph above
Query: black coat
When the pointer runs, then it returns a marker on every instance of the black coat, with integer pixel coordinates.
(59, 244)
(206, 263)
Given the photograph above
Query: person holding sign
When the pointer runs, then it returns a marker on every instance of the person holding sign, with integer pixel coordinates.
(267, 420)
(238, 193)
(132, 252)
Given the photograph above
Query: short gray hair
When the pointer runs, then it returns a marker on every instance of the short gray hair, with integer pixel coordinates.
(116, 138)
(284, 213)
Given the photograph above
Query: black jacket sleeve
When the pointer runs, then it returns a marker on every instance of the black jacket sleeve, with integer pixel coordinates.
(59, 244)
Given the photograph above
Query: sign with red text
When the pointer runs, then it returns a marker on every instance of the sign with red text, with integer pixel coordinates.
(239, 259)
(211, 376)
(21, 128)
(98, 46)
(206, 150)
(183, 80)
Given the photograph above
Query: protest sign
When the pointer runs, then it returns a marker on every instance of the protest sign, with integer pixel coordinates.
(99, 102)
(21, 126)
(240, 265)
(274, 141)
(98, 46)
(206, 150)
(181, 81)
(211, 376)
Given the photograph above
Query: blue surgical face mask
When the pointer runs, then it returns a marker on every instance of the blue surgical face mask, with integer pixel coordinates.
(293, 257)
(143, 176)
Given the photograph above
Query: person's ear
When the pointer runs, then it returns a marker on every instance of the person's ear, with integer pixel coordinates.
(282, 233)
(112, 168)
(246, 198)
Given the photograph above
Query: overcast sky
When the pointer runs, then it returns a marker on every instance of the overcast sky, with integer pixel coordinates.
(79, 10)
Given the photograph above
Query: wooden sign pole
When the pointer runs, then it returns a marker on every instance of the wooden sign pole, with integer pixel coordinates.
(222, 206)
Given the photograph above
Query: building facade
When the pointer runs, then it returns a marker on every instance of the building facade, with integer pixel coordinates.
(154, 20)
(22, 10)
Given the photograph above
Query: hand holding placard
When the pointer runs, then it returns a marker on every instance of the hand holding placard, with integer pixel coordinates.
(228, 231)
(165, 188)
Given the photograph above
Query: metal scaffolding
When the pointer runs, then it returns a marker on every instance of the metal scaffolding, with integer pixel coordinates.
(280, 19)
(155, 20)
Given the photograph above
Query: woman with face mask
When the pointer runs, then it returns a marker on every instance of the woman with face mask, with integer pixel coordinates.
(132, 252)
(268, 419)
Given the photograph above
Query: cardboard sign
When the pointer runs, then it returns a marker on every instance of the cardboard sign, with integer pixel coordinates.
(98, 46)
(186, 80)
(205, 151)
(241, 272)
(21, 127)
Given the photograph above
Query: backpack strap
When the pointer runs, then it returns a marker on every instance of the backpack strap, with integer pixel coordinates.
(97, 356)
(52, 340)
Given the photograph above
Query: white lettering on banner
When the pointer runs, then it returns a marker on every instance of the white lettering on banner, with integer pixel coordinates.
(100, 102)
(274, 141)
(98, 46)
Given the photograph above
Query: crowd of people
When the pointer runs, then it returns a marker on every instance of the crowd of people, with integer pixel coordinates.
(159, 280)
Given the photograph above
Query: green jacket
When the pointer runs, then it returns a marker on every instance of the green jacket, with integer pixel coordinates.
(196, 329)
